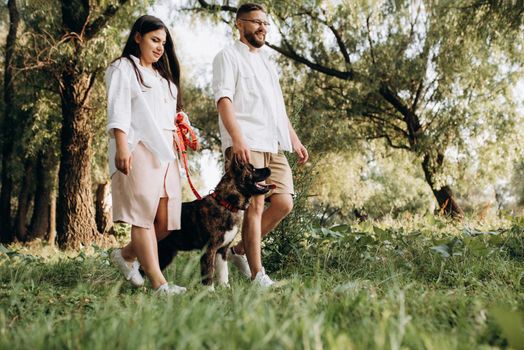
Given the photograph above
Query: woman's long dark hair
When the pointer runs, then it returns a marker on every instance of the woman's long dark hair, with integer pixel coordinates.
(167, 66)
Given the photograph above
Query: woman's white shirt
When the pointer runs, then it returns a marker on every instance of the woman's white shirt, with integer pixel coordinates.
(141, 111)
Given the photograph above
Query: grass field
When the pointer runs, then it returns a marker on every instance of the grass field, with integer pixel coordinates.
(418, 286)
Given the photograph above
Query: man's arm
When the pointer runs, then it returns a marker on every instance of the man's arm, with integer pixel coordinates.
(298, 147)
(227, 114)
(224, 85)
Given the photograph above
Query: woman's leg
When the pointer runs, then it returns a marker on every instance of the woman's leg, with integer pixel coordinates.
(161, 219)
(144, 245)
(128, 252)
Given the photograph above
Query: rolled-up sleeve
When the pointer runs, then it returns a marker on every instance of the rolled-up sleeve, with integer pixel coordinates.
(118, 100)
(223, 77)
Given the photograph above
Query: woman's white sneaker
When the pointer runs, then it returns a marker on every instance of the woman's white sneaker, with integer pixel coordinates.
(129, 270)
(262, 280)
(170, 289)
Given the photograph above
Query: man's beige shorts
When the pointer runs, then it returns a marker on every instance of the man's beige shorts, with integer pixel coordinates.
(280, 170)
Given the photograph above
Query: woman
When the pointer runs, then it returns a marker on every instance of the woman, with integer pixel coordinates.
(143, 87)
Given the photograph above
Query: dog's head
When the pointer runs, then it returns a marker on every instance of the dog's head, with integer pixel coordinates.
(247, 179)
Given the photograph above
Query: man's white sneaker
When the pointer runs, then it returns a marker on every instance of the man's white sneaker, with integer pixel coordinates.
(129, 270)
(240, 262)
(262, 280)
(170, 289)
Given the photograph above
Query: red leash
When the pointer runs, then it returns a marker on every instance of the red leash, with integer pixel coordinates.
(186, 138)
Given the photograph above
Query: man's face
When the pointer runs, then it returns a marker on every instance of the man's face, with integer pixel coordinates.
(253, 27)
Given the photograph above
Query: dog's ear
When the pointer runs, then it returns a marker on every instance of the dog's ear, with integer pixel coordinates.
(237, 165)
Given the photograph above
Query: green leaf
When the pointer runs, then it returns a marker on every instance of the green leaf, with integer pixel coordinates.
(511, 324)
(442, 249)
(341, 228)
(381, 233)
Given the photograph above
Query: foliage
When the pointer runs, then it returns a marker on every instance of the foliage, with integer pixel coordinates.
(350, 287)
(427, 77)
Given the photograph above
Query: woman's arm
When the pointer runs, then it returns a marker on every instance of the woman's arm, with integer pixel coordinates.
(123, 158)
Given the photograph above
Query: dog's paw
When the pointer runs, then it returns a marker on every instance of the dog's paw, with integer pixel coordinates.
(210, 288)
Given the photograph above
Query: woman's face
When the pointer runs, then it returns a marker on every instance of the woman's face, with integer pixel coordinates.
(151, 46)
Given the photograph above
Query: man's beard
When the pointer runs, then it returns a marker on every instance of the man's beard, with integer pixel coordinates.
(252, 39)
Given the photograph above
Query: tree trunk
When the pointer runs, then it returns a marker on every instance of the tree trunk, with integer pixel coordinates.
(8, 126)
(430, 164)
(446, 200)
(51, 233)
(104, 217)
(75, 211)
(24, 202)
(45, 179)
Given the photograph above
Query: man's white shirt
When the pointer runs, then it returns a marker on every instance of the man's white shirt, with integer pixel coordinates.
(250, 81)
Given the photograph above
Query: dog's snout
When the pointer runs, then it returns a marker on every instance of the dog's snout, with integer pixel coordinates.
(261, 174)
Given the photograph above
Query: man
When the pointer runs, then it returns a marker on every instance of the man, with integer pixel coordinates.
(254, 127)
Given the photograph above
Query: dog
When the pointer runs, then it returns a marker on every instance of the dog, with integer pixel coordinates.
(212, 222)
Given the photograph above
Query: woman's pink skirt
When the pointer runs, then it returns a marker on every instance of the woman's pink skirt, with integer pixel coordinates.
(136, 196)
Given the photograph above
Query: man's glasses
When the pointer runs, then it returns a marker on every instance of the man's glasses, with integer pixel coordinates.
(256, 21)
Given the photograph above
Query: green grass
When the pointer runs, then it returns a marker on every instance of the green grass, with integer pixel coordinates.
(432, 286)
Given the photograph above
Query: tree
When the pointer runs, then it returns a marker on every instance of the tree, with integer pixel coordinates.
(71, 43)
(8, 125)
(423, 76)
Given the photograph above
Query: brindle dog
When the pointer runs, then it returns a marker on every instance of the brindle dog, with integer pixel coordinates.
(214, 221)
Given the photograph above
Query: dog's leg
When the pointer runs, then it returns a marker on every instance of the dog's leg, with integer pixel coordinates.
(207, 266)
(165, 254)
(221, 267)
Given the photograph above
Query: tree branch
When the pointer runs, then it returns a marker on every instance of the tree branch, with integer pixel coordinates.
(217, 8)
(92, 29)
(287, 52)
(370, 41)
(340, 42)
(410, 118)
(388, 140)
(380, 121)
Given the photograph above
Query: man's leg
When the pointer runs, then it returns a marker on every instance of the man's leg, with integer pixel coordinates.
(280, 206)
(251, 234)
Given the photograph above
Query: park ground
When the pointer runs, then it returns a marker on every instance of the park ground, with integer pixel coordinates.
(429, 284)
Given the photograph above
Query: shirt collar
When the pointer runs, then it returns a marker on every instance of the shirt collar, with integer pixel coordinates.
(141, 67)
(135, 59)
(243, 48)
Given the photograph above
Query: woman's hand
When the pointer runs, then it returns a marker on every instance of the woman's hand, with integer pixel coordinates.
(123, 160)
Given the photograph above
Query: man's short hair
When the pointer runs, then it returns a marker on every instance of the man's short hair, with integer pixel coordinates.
(248, 7)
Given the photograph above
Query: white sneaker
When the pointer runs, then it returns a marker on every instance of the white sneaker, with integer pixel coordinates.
(240, 262)
(129, 270)
(262, 280)
(170, 289)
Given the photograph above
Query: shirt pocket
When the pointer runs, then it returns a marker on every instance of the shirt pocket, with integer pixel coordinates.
(247, 95)
(246, 80)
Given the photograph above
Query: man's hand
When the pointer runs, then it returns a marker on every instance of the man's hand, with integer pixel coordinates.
(227, 114)
(241, 151)
(301, 152)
